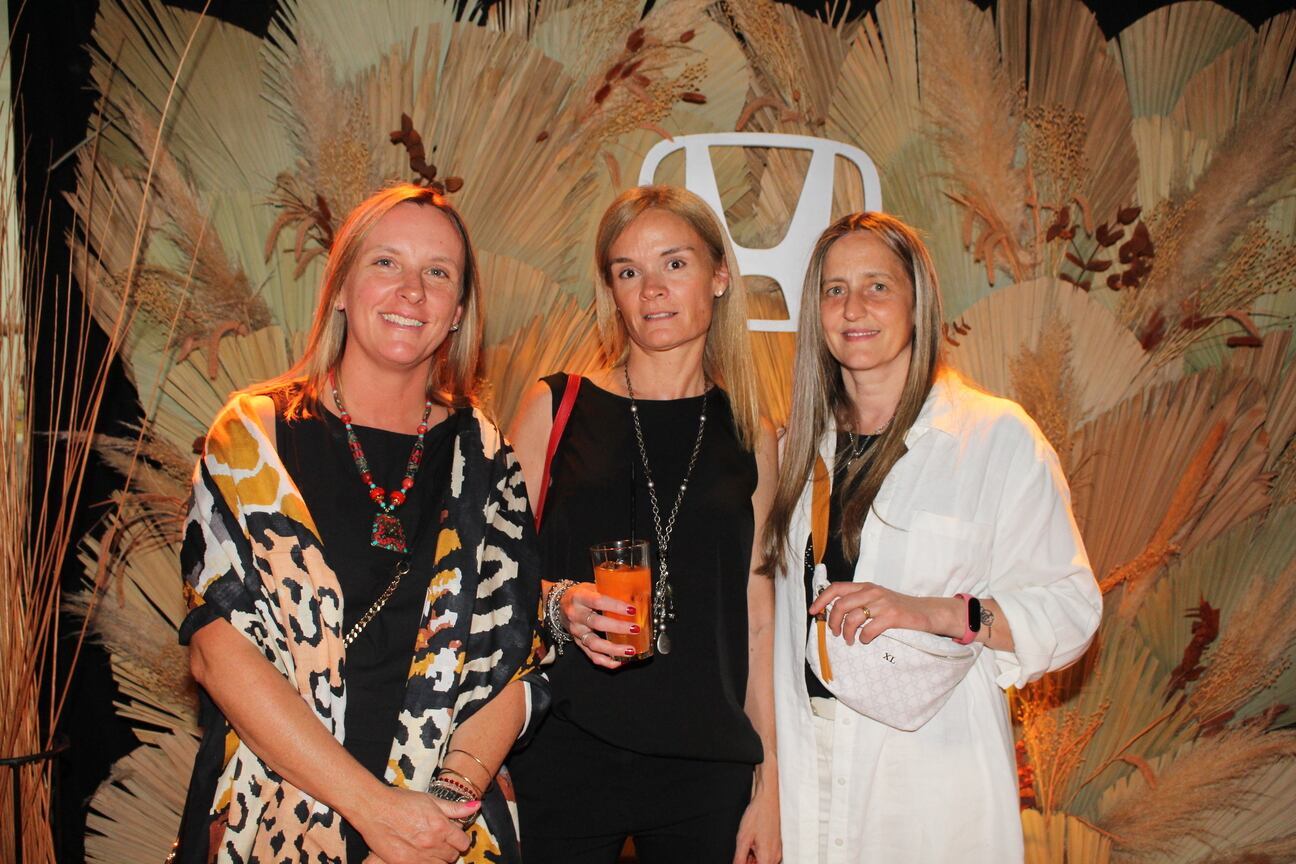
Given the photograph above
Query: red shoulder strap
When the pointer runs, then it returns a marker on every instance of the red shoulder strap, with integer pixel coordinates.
(555, 435)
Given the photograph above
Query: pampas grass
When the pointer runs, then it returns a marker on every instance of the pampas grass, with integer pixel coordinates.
(1044, 384)
(1250, 657)
(1196, 232)
(1211, 774)
(973, 109)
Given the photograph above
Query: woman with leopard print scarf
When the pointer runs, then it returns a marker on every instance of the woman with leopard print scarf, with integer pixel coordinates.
(360, 566)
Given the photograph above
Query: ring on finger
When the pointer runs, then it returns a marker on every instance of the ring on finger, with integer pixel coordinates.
(589, 619)
(867, 613)
(587, 635)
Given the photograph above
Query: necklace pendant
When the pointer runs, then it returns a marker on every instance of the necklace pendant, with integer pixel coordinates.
(388, 533)
(663, 642)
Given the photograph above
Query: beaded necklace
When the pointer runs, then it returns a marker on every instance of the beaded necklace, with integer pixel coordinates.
(387, 532)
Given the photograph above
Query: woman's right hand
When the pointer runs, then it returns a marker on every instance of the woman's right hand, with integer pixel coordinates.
(583, 607)
(401, 826)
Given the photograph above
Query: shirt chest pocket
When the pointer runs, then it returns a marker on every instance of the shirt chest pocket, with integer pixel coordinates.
(945, 555)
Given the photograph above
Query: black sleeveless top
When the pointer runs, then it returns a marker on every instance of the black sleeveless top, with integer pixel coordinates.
(688, 703)
(317, 456)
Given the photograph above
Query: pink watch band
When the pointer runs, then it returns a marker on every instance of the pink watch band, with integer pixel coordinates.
(968, 634)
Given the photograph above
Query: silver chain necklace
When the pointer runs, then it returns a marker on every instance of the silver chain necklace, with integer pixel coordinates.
(663, 596)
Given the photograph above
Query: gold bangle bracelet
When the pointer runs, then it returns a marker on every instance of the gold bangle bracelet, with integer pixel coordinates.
(490, 775)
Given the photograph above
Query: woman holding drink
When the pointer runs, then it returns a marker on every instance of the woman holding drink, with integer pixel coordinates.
(948, 525)
(359, 567)
(661, 726)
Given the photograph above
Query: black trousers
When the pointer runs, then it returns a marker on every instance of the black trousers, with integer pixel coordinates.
(579, 798)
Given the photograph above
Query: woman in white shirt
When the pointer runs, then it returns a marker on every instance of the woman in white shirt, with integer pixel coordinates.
(948, 514)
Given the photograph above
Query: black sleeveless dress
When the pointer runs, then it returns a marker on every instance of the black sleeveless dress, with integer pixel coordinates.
(688, 703)
(673, 725)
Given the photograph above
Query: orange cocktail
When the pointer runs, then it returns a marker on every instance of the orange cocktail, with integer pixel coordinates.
(621, 571)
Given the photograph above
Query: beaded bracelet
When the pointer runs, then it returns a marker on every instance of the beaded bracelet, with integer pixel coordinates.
(553, 612)
(454, 778)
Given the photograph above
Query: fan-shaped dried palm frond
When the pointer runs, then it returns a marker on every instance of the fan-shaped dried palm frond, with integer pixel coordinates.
(1160, 52)
(569, 342)
(1159, 433)
(1012, 320)
(149, 667)
(335, 139)
(1073, 742)
(1076, 109)
(133, 608)
(136, 812)
(1225, 773)
(137, 53)
(189, 399)
(773, 353)
(213, 294)
(1170, 155)
(1251, 656)
(1058, 838)
(878, 107)
(1223, 92)
(1211, 586)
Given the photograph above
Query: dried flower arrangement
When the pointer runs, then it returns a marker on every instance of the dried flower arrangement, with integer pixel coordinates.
(1145, 323)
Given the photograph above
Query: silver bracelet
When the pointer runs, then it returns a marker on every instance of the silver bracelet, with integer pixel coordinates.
(553, 614)
(445, 790)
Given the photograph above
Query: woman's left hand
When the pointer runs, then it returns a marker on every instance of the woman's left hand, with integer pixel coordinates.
(876, 610)
(759, 839)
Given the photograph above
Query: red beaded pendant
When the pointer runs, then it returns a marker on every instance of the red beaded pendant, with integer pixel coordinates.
(388, 533)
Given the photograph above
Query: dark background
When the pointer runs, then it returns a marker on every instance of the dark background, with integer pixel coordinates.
(50, 73)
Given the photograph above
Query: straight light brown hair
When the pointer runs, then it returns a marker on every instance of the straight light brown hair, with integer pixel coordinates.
(452, 378)
(727, 358)
(819, 393)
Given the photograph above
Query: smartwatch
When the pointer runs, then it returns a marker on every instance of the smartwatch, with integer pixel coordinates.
(975, 616)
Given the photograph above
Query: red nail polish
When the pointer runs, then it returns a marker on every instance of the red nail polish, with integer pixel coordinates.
(630, 652)
(630, 610)
(634, 628)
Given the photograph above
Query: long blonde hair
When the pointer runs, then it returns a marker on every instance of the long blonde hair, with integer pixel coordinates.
(727, 358)
(819, 393)
(452, 378)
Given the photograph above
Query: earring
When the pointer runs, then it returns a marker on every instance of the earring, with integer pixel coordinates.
(454, 328)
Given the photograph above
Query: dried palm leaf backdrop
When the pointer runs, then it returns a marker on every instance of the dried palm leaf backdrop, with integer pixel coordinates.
(1113, 220)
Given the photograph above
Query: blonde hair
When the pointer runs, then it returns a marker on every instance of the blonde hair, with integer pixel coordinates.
(452, 378)
(727, 357)
(818, 391)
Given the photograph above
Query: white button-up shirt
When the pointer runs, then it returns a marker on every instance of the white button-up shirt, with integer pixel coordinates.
(978, 505)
